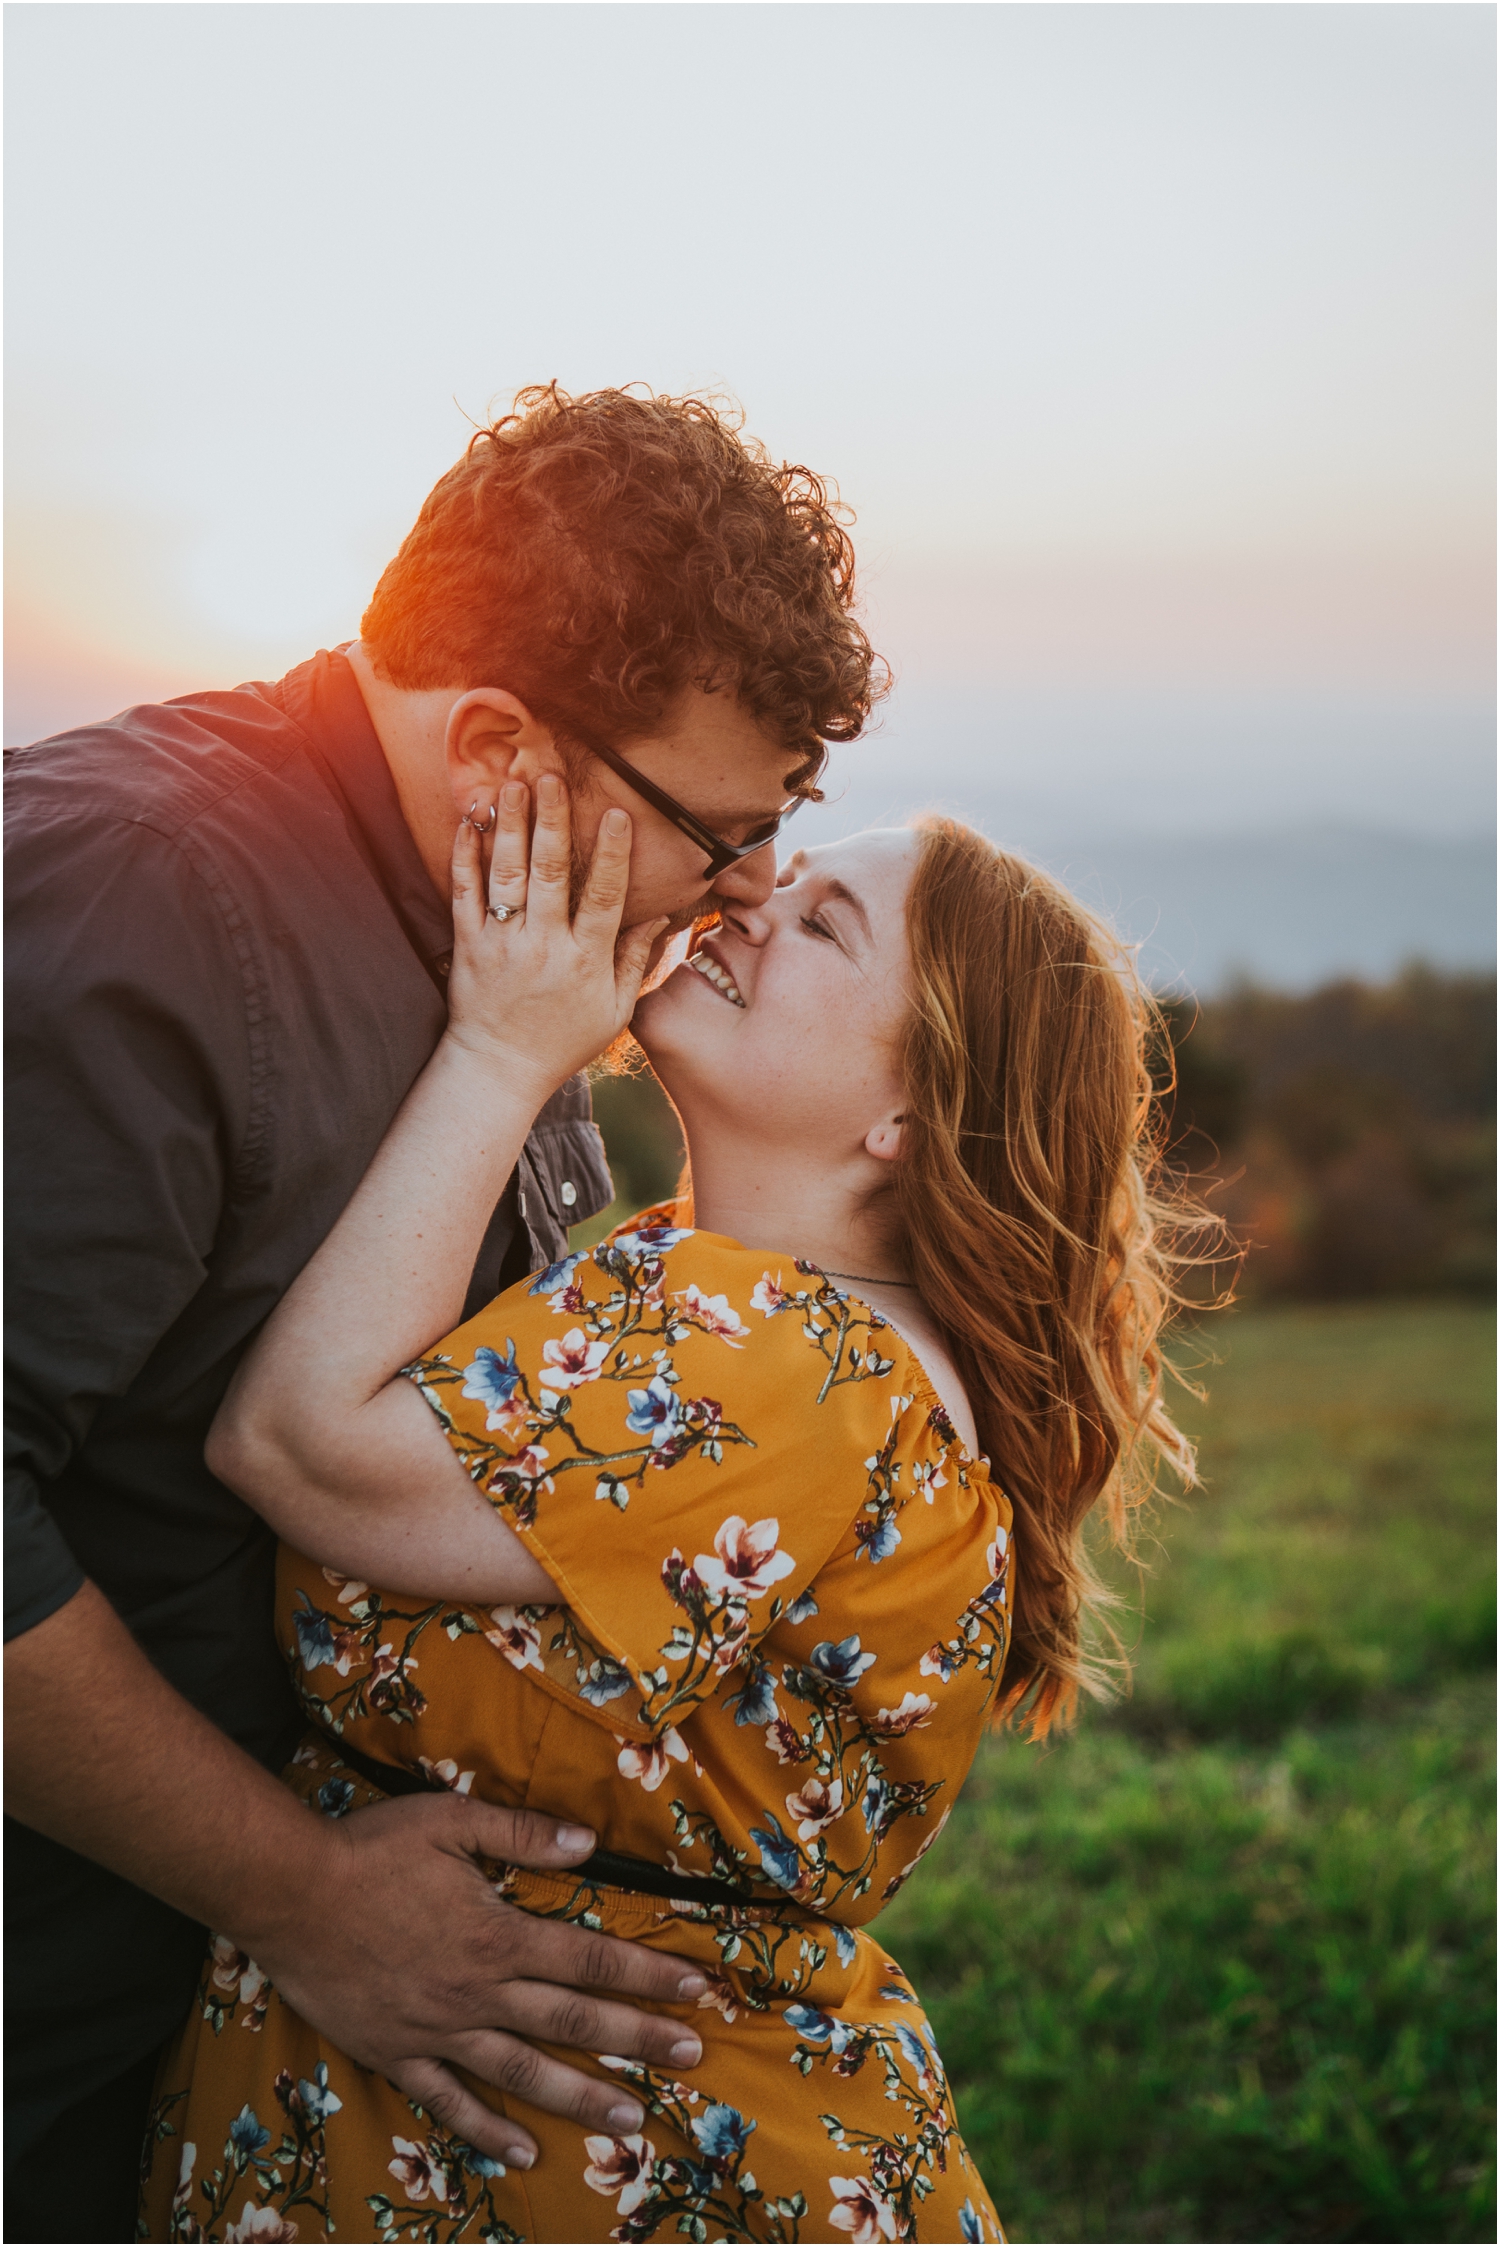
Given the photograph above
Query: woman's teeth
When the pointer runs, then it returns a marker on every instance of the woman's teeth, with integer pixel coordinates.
(719, 977)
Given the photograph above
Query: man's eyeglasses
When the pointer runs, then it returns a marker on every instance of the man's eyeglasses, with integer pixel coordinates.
(720, 854)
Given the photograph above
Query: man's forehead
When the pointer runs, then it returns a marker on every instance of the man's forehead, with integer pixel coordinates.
(727, 747)
(741, 796)
(695, 712)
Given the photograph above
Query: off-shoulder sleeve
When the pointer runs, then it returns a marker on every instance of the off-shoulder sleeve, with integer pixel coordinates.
(680, 1440)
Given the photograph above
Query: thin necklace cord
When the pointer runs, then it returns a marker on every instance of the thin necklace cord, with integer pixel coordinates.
(864, 1279)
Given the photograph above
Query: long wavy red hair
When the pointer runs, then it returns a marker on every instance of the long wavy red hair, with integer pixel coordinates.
(1029, 1199)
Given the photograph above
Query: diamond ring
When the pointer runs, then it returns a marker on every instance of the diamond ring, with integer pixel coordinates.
(502, 912)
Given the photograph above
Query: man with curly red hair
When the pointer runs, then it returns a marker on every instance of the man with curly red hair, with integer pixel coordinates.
(618, 569)
(229, 936)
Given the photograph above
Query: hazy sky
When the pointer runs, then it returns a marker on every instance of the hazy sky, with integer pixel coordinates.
(1152, 344)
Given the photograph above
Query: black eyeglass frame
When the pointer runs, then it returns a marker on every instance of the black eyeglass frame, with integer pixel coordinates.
(720, 854)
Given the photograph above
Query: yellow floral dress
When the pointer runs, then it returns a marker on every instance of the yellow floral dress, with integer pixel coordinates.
(787, 1597)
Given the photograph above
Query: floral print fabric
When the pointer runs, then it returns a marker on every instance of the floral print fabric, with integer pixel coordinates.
(787, 1592)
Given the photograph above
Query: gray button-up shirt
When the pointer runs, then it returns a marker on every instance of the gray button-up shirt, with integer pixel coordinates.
(225, 968)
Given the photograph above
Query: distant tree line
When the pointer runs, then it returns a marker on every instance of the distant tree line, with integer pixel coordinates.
(1348, 1136)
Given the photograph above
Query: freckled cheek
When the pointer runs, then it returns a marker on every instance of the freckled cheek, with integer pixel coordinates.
(793, 1010)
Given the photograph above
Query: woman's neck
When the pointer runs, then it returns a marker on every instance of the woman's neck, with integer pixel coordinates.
(793, 1207)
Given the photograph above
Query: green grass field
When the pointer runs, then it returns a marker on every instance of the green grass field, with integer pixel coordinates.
(1220, 1966)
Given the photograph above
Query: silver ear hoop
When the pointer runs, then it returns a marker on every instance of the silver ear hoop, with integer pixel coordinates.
(480, 827)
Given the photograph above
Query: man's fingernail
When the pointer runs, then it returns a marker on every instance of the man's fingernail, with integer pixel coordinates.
(615, 823)
(691, 1985)
(575, 1839)
(513, 795)
(687, 2054)
(519, 2159)
(625, 2118)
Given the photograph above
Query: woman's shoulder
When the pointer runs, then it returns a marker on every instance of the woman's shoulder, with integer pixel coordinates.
(697, 1280)
(642, 1255)
(660, 1274)
(779, 1311)
(662, 1250)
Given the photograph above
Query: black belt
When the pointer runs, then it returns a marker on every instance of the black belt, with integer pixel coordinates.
(610, 1868)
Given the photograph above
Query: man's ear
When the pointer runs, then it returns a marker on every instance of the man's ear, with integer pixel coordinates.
(491, 737)
(883, 1140)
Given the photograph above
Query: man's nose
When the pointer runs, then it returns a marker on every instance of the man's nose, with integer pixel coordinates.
(742, 889)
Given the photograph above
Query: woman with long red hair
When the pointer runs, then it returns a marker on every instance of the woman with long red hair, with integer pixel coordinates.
(728, 1535)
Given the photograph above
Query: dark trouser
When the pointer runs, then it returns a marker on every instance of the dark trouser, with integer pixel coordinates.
(81, 2179)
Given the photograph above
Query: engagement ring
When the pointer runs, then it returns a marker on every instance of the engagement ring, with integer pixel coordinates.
(502, 912)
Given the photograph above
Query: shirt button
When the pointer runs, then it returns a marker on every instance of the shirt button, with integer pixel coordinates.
(521, 1198)
(569, 1193)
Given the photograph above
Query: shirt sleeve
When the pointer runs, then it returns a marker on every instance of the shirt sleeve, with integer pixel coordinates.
(563, 1175)
(41, 1574)
(681, 1466)
(128, 1073)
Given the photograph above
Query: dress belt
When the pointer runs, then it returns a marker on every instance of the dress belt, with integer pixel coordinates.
(609, 1867)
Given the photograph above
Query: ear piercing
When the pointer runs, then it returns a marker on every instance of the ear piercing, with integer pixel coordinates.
(480, 826)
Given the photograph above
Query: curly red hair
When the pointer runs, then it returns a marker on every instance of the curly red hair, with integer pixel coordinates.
(595, 555)
(1042, 1230)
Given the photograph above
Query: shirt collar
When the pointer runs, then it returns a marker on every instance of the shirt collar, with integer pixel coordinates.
(323, 700)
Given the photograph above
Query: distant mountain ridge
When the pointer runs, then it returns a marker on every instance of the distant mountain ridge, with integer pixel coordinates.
(1288, 904)
(1290, 908)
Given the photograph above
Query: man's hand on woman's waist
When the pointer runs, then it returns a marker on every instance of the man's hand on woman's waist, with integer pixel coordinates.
(380, 1928)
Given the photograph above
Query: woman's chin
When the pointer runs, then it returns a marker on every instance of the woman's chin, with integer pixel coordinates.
(650, 1024)
(672, 1022)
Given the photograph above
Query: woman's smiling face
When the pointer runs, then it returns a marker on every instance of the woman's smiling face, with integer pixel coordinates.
(789, 1020)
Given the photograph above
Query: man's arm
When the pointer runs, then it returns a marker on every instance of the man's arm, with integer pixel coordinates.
(126, 1104)
(318, 1432)
(102, 1755)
